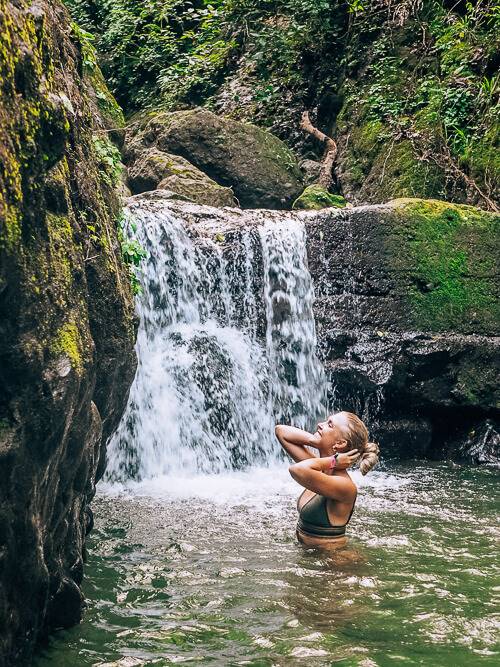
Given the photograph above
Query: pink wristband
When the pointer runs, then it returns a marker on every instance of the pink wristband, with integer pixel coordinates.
(333, 462)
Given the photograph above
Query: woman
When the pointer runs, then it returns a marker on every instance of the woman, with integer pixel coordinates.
(327, 504)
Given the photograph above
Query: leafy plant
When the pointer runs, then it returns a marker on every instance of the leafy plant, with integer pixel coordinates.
(356, 6)
(489, 88)
(133, 254)
(86, 41)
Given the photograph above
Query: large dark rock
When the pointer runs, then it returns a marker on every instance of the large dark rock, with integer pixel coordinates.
(407, 314)
(260, 169)
(482, 444)
(66, 319)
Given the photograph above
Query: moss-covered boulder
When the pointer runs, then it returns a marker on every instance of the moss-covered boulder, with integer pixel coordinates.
(315, 197)
(374, 167)
(260, 169)
(66, 319)
(422, 265)
(156, 169)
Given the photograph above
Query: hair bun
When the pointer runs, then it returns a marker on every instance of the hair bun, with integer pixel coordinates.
(369, 457)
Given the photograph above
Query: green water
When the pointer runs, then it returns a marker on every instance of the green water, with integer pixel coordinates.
(208, 571)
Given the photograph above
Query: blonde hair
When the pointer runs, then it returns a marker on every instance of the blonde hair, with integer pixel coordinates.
(357, 438)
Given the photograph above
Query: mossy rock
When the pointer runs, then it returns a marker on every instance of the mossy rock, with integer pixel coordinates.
(259, 167)
(156, 169)
(374, 167)
(316, 197)
(67, 324)
(199, 190)
(448, 255)
(109, 110)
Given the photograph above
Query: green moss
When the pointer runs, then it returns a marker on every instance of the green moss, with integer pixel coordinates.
(483, 157)
(451, 255)
(368, 136)
(10, 161)
(315, 197)
(10, 223)
(397, 172)
(475, 386)
(107, 104)
(377, 165)
(69, 343)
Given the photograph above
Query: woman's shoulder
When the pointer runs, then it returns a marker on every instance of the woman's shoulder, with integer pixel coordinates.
(349, 484)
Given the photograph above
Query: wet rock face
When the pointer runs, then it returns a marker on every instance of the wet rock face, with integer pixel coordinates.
(66, 321)
(482, 444)
(407, 320)
(260, 169)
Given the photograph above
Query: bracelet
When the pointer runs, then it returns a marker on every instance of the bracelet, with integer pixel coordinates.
(333, 462)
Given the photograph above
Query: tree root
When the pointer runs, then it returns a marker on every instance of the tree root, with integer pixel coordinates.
(325, 175)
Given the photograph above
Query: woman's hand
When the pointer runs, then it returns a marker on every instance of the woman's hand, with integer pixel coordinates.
(346, 459)
(294, 441)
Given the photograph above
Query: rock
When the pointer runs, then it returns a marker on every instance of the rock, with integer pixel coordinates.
(259, 168)
(122, 187)
(482, 445)
(419, 265)
(67, 324)
(316, 197)
(311, 170)
(110, 115)
(403, 438)
(407, 318)
(199, 189)
(372, 168)
(158, 195)
(156, 169)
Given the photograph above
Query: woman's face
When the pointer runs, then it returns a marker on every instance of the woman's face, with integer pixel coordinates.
(330, 433)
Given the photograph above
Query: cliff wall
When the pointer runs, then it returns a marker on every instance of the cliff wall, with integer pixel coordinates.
(66, 314)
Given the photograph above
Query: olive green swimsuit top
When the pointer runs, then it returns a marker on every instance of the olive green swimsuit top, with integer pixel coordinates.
(313, 518)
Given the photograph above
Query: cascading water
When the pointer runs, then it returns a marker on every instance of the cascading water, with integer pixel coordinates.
(209, 385)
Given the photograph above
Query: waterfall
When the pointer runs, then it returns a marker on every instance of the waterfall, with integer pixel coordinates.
(226, 344)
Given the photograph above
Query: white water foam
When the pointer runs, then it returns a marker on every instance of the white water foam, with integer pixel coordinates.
(261, 487)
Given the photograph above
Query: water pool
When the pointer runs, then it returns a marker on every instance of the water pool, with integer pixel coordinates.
(207, 570)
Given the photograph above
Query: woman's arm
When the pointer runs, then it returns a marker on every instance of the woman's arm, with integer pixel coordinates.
(294, 441)
(311, 475)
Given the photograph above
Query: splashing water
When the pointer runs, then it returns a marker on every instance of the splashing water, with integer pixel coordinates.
(209, 386)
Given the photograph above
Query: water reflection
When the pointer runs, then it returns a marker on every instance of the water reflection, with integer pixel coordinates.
(324, 592)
